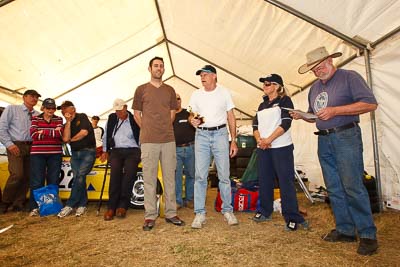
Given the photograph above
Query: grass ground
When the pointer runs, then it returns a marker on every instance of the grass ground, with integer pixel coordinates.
(91, 241)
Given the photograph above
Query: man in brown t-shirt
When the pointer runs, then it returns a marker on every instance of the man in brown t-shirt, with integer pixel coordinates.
(154, 106)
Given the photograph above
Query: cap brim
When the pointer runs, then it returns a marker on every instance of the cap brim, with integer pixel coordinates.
(307, 67)
(50, 106)
(200, 71)
(262, 79)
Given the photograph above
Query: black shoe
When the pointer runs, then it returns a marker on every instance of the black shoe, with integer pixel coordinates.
(367, 246)
(335, 236)
(6, 208)
(175, 220)
(17, 208)
(148, 224)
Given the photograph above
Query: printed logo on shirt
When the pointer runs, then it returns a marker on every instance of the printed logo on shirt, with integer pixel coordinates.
(181, 121)
(321, 101)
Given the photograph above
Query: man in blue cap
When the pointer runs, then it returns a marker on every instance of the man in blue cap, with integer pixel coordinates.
(214, 103)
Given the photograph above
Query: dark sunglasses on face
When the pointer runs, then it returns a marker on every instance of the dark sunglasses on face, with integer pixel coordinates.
(268, 84)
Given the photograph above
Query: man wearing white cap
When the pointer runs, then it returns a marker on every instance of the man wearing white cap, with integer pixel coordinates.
(121, 147)
(337, 98)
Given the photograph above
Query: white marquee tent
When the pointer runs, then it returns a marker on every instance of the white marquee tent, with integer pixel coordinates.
(92, 51)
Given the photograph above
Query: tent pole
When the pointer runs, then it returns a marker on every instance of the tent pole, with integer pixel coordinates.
(316, 23)
(165, 35)
(5, 2)
(215, 65)
(385, 37)
(373, 129)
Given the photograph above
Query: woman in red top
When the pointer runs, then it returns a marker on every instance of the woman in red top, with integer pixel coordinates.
(46, 152)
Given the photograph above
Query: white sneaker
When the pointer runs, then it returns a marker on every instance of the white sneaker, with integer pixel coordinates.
(34, 213)
(230, 218)
(80, 211)
(64, 212)
(199, 220)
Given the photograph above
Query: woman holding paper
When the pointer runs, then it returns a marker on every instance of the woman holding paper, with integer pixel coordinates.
(271, 128)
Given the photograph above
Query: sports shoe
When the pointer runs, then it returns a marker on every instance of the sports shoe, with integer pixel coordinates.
(199, 220)
(299, 226)
(34, 213)
(230, 218)
(64, 212)
(367, 246)
(148, 224)
(80, 211)
(261, 218)
(335, 236)
(175, 221)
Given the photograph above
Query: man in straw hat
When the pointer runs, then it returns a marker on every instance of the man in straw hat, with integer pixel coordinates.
(337, 98)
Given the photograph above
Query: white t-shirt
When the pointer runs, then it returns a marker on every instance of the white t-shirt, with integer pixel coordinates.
(268, 120)
(212, 105)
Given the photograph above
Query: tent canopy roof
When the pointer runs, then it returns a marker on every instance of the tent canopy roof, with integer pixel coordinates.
(91, 52)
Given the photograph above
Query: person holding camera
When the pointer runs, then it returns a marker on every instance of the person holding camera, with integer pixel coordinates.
(122, 149)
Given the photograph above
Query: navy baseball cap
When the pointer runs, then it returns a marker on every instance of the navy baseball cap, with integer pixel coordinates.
(272, 78)
(207, 68)
(49, 103)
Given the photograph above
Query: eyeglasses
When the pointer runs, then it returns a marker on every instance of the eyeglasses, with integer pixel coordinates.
(178, 98)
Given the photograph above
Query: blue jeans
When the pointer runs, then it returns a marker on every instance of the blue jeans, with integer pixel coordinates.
(214, 143)
(278, 162)
(340, 156)
(184, 164)
(45, 167)
(81, 164)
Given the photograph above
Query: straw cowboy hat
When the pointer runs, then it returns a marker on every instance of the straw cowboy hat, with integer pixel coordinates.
(315, 57)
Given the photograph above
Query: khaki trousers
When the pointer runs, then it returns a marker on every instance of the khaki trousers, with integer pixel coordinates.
(18, 182)
(166, 154)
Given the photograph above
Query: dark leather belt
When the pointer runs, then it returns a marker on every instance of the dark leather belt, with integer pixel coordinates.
(186, 144)
(212, 128)
(23, 142)
(336, 129)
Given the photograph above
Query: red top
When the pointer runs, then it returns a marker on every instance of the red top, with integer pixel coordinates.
(50, 140)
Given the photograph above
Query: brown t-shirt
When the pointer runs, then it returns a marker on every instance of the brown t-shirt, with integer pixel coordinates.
(156, 105)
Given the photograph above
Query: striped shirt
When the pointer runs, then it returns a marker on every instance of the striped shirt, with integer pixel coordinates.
(49, 141)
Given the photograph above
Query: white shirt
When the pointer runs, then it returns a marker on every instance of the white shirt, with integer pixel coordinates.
(268, 120)
(212, 105)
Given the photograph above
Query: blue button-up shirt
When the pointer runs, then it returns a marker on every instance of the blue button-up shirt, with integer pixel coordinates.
(123, 137)
(15, 123)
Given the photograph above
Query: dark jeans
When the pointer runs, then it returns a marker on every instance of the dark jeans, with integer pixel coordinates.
(340, 155)
(81, 164)
(18, 182)
(278, 162)
(124, 164)
(47, 168)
